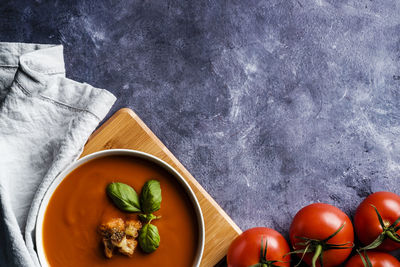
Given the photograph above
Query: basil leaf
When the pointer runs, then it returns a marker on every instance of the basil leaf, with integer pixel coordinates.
(147, 218)
(124, 197)
(150, 198)
(149, 239)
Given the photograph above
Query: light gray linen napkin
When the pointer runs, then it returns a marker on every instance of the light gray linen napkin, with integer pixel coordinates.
(45, 120)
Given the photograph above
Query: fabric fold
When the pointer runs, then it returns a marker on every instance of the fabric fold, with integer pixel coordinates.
(45, 120)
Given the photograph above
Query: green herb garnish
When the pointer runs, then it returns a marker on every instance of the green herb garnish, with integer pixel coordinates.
(124, 197)
(150, 198)
(149, 239)
(147, 218)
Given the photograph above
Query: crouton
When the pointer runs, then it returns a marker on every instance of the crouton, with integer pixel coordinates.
(121, 235)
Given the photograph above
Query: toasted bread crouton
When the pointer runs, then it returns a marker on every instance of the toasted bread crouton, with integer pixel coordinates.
(127, 246)
(119, 234)
(132, 228)
(108, 247)
(112, 232)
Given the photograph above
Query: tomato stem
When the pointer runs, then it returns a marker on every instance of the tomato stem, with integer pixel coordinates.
(263, 251)
(263, 256)
(388, 231)
(392, 236)
(308, 245)
(376, 243)
(317, 254)
(364, 258)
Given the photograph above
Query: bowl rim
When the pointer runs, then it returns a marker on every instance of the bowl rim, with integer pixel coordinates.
(112, 152)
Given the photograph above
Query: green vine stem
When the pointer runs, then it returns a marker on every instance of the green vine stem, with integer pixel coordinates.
(318, 247)
(317, 254)
(388, 231)
(364, 258)
(263, 256)
(392, 236)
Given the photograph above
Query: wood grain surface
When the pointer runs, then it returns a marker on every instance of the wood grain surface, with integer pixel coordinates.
(126, 130)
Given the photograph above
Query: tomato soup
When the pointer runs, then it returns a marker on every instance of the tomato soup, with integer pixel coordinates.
(80, 204)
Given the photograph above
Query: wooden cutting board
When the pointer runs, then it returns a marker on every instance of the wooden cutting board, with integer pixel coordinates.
(126, 130)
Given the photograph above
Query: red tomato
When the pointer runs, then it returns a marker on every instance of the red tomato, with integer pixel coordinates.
(378, 259)
(319, 221)
(366, 220)
(245, 249)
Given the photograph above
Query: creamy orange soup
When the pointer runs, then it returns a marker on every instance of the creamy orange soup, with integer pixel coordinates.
(80, 204)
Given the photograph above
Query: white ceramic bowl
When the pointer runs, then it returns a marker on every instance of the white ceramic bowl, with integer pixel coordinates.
(115, 152)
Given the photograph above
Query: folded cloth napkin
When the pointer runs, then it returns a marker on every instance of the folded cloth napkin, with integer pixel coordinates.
(45, 120)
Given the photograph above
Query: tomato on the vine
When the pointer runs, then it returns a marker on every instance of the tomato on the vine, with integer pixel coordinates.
(377, 259)
(373, 232)
(249, 249)
(322, 232)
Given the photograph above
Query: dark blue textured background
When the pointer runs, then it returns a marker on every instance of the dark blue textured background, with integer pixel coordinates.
(271, 105)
